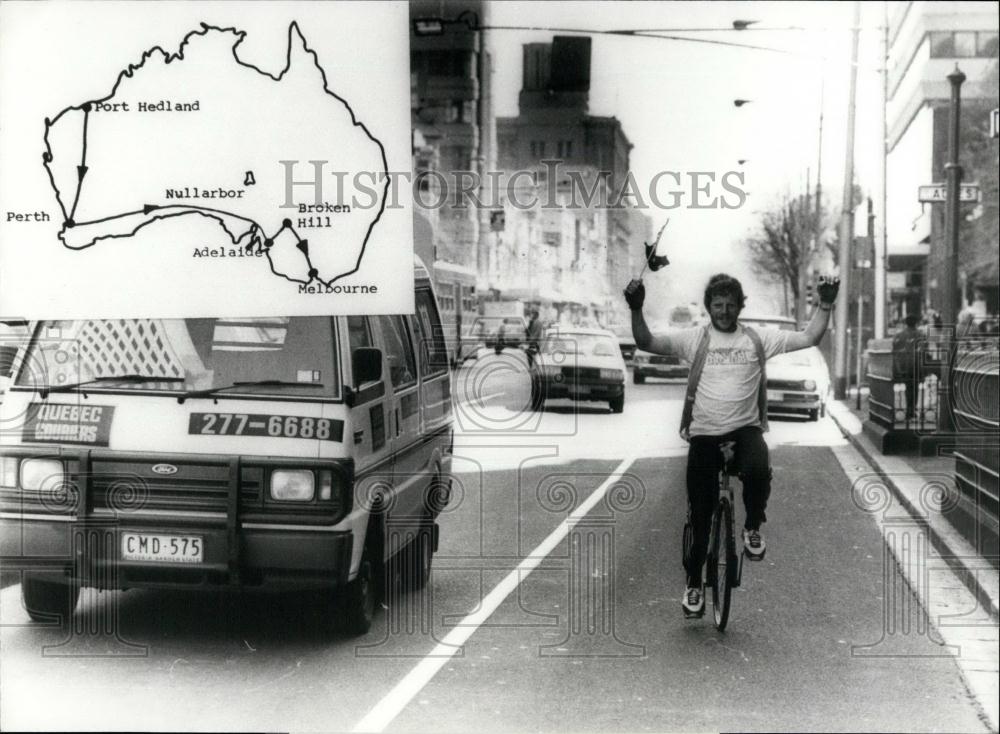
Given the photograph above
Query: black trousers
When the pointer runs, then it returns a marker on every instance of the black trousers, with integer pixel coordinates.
(704, 464)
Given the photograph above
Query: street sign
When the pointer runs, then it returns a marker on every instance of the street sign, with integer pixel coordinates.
(995, 123)
(937, 193)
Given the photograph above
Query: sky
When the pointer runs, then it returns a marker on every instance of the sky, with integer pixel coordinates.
(675, 102)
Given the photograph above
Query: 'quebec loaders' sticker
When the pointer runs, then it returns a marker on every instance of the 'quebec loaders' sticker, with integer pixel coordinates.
(89, 425)
(272, 426)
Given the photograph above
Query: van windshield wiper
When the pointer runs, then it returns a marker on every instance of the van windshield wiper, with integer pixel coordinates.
(212, 391)
(44, 392)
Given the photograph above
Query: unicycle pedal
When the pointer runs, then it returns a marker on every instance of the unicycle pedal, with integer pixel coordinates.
(753, 557)
(693, 615)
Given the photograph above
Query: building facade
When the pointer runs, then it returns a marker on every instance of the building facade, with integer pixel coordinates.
(577, 239)
(927, 40)
(451, 121)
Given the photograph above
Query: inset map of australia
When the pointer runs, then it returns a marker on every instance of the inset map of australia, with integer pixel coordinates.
(279, 161)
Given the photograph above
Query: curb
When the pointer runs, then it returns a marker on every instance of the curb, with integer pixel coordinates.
(944, 545)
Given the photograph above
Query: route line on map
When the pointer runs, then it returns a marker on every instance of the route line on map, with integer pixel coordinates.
(127, 73)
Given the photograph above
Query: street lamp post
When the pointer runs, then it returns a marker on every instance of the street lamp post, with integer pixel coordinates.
(949, 308)
(953, 172)
(846, 222)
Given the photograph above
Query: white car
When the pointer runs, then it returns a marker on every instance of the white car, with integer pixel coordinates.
(798, 383)
(579, 364)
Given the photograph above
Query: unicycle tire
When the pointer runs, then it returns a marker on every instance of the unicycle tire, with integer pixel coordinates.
(724, 563)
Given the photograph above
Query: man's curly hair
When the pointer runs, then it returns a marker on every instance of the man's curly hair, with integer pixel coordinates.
(724, 285)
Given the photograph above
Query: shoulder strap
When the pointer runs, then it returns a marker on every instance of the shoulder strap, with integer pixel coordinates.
(694, 376)
(762, 388)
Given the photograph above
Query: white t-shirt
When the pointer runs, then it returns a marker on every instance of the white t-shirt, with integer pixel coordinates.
(727, 392)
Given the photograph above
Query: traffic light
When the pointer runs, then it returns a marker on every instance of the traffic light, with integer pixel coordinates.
(810, 293)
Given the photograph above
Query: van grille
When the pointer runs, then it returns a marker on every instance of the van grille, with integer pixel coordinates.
(131, 486)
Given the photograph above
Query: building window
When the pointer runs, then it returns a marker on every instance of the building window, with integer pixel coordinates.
(988, 44)
(965, 44)
(446, 63)
(942, 45)
(565, 148)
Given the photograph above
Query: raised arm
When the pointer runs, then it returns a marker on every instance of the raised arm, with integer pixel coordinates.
(813, 333)
(635, 296)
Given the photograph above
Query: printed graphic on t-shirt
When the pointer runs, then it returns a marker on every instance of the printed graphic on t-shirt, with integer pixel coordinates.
(728, 355)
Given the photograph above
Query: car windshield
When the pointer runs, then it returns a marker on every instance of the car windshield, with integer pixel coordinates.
(188, 354)
(779, 324)
(800, 358)
(596, 345)
(490, 324)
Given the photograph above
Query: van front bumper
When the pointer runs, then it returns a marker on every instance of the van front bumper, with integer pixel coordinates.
(90, 552)
(219, 501)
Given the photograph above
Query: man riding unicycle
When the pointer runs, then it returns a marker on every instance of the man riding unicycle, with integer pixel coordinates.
(726, 400)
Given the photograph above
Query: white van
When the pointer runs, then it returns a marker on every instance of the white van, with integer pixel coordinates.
(280, 453)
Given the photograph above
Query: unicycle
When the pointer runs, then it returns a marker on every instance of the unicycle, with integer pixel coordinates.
(723, 566)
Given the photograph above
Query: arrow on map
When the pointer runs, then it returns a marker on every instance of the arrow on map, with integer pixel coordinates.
(147, 208)
(304, 247)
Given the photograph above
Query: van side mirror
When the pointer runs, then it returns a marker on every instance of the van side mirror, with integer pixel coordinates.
(366, 363)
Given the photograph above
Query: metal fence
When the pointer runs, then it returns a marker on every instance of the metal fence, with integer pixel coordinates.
(887, 400)
(977, 454)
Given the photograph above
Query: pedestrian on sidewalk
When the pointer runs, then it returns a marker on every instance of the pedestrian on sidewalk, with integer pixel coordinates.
(905, 349)
(533, 334)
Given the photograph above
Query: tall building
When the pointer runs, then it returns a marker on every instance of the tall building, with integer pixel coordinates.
(555, 132)
(451, 120)
(926, 42)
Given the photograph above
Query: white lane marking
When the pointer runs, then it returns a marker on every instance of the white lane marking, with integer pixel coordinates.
(397, 699)
(481, 399)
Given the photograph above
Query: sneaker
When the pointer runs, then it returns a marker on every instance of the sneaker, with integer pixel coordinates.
(693, 602)
(753, 544)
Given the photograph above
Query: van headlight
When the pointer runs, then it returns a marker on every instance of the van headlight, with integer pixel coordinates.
(809, 385)
(38, 474)
(293, 485)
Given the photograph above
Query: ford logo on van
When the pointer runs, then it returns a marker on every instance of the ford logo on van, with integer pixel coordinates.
(164, 469)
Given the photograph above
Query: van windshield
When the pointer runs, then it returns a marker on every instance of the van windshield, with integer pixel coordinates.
(188, 354)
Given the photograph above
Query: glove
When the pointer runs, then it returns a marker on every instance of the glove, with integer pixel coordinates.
(827, 289)
(657, 262)
(635, 294)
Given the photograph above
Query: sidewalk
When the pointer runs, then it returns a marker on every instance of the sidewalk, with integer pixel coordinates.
(958, 588)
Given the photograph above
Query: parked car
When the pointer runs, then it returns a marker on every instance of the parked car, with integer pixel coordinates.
(579, 364)
(485, 333)
(783, 323)
(798, 383)
(657, 365)
(626, 343)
